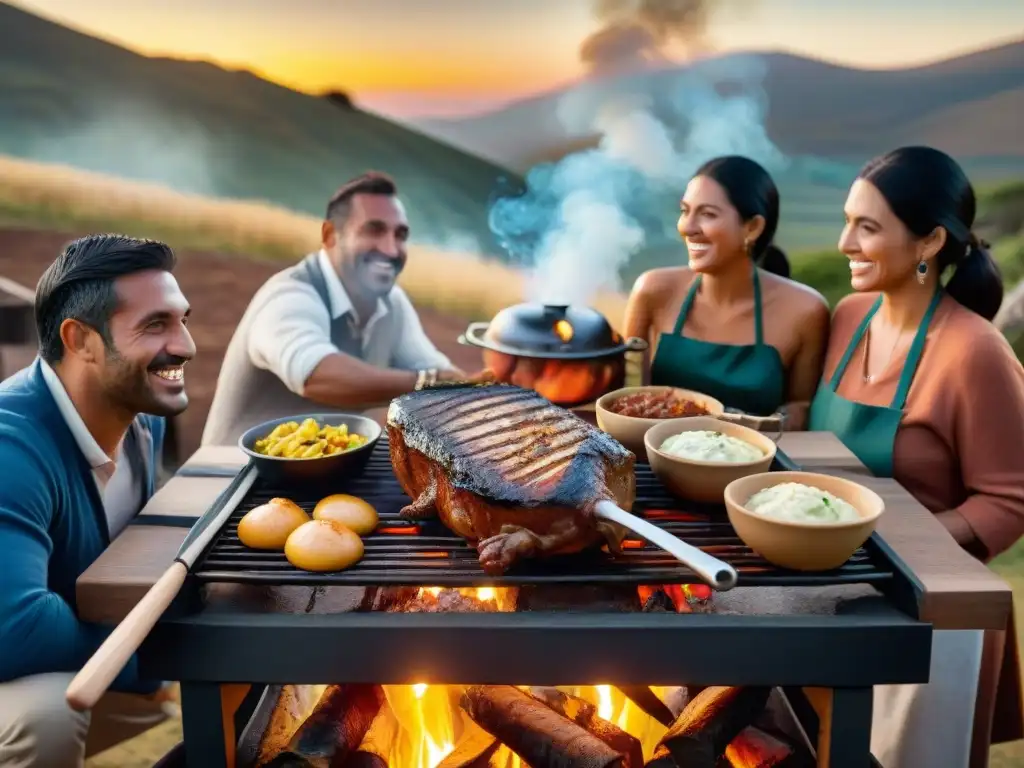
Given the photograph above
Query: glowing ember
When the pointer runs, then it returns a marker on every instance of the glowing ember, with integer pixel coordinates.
(563, 330)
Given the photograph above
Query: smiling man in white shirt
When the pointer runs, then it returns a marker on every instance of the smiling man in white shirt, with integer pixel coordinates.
(333, 330)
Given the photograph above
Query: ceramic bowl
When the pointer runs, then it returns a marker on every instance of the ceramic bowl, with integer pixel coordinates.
(703, 481)
(803, 546)
(630, 430)
(323, 469)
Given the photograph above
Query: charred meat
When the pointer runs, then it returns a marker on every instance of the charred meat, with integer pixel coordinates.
(507, 470)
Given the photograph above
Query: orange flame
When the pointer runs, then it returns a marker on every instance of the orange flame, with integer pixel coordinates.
(429, 722)
(564, 330)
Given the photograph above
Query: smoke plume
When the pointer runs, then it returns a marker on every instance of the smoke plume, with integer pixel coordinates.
(134, 139)
(581, 219)
(635, 33)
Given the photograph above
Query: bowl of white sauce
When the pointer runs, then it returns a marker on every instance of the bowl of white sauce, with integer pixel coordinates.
(698, 456)
(803, 521)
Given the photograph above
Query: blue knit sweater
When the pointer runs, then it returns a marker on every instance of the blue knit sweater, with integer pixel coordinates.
(52, 527)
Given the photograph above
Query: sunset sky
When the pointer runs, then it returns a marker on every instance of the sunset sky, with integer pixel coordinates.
(417, 56)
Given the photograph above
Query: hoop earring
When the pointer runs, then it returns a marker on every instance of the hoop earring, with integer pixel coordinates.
(922, 271)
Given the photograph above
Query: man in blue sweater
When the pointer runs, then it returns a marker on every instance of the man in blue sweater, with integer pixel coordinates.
(80, 436)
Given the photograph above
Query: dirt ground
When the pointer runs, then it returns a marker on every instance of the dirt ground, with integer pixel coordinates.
(219, 288)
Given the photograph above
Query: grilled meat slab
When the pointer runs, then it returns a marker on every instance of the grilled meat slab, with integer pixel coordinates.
(508, 471)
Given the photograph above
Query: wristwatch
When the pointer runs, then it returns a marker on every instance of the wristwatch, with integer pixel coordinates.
(426, 378)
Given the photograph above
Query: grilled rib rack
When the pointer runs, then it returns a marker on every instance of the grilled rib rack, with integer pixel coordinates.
(425, 553)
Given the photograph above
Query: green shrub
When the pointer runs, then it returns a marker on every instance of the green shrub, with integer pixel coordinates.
(1001, 210)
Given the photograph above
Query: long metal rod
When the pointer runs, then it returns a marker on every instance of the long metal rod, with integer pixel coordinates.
(209, 525)
(717, 573)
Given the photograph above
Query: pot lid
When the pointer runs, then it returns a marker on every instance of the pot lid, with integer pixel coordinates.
(553, 329)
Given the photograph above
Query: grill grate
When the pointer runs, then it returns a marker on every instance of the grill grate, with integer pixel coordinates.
(425, 553)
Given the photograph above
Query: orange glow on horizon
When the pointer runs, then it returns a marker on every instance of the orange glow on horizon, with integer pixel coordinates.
(419, 71)
(460, 48)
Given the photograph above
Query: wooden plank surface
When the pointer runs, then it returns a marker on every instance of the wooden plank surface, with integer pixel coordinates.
(959, 592)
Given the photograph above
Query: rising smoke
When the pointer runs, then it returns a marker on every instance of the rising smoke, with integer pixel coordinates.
(635, 33)
(582, 219)
(133, 138)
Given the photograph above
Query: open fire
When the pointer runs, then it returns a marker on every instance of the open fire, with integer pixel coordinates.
(508, 726)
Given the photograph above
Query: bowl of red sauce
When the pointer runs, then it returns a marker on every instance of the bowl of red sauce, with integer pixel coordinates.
(626, 414)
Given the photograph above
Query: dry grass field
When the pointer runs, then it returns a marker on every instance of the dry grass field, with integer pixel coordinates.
(67, 199)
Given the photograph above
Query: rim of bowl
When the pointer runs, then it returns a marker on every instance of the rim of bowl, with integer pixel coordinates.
(370, 442)
(736, 506)
(607, 397)
(700, 462)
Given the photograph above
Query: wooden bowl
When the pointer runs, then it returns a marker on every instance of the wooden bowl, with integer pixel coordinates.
(803, 546)
(630, 430)
(323, 469)
(697, 480)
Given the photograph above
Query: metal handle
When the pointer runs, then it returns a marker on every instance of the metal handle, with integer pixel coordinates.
(717, 573)
(758, 423)
(636, 344)
(636, 362)
(469, 337)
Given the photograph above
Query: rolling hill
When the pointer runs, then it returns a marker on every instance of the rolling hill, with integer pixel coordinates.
(69, 98)
(969, 106)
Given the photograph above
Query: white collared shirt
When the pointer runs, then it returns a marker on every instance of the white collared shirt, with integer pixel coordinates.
(122, 494)
(290, 331)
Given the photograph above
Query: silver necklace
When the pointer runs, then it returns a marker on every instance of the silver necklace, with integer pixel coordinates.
(869, 378)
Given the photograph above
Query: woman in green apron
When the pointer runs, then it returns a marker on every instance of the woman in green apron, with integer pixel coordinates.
(921, 387)
(731, 324)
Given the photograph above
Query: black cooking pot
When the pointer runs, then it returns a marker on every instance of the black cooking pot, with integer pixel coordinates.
(570, 355)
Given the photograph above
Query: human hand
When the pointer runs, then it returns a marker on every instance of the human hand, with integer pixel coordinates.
(453, 375)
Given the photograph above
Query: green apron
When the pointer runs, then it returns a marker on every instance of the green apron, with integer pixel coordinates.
(750, 378)
(869, 431)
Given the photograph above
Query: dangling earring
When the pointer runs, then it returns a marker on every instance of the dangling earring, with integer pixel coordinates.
(922, 271)
(746, 247)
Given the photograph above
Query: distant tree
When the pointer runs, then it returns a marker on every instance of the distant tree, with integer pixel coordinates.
(339, 99)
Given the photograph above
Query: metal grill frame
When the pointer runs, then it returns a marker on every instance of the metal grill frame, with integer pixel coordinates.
(416, 553)
(879, 640)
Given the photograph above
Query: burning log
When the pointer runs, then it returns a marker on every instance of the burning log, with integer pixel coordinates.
(474, 750)
(375, 749)
(293, 705)
(539, 735)
(644, 698)
(656, 601)
(390, 599)
(584, 714)
(335, 729)
(753, 748)
(678, 697)
(711, 720)
(446, 601)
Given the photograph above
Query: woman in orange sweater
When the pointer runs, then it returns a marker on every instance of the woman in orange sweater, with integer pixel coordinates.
(922, 388)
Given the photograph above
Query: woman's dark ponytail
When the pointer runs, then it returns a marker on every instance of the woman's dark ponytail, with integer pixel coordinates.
(773, 259)
(977, 282)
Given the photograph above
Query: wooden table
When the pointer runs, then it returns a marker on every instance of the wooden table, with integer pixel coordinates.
(954, 591)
